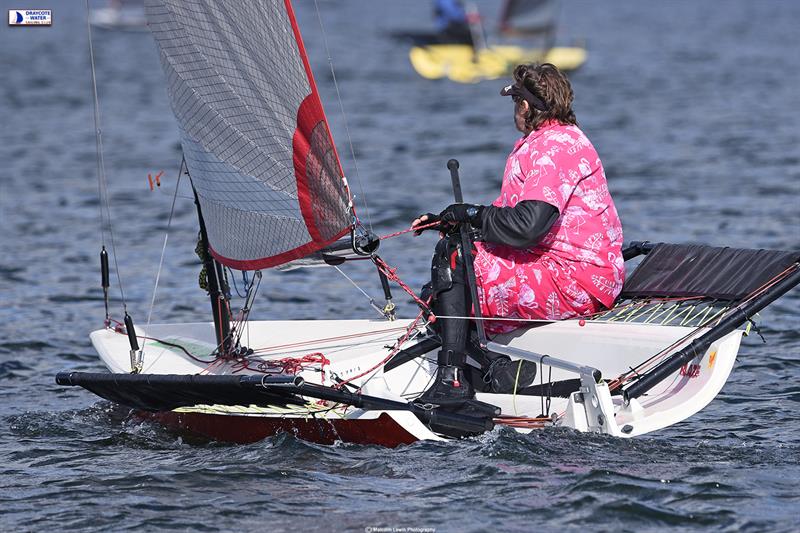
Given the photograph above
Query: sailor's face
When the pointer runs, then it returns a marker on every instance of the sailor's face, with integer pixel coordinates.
(520, 112)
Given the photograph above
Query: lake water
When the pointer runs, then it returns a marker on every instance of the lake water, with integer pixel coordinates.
(693, 108)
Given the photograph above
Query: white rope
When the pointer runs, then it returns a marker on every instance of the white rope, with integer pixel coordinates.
(164, 246)
(500, 319)
(344, 116)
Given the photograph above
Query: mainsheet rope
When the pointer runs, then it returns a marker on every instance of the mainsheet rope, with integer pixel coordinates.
(408, 230)
(389, 272)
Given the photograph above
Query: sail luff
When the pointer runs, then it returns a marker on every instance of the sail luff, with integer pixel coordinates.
(254, 133)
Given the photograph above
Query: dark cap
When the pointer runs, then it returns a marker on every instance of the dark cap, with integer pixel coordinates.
(521, 91)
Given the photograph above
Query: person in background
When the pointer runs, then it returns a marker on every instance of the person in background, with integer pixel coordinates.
(451, 22)
(548, 248)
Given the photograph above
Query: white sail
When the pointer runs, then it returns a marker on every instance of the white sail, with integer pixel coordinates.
(255, 137)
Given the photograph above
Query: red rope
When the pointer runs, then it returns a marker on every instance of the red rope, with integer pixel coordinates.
(415, 228)
(287, 365)
(392, 353)
(391, 273)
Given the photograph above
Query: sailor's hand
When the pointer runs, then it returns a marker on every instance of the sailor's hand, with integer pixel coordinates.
(424, 220)
(462, 213)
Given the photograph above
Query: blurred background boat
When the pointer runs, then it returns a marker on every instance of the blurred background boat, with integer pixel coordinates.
(125, 15)
(463, 51)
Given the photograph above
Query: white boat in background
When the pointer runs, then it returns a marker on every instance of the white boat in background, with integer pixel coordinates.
(125, 15)
(270, 192)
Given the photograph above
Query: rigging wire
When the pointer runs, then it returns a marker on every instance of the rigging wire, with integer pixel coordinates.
(102, 183)
(242, 322)
(166, 237)
(370, 298)
(344, 116)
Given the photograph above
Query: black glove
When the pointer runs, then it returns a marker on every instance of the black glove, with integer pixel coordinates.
(431, 220)
(462, 213)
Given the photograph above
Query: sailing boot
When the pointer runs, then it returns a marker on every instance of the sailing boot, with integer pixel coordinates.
(452, 391)
(450, 387)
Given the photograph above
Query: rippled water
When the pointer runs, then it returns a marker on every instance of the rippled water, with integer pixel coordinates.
(693, 108)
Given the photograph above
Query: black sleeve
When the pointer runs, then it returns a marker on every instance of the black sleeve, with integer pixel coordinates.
(521, 226)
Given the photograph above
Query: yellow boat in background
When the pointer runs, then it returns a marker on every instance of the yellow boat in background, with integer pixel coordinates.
(526, 33)
(464, 64)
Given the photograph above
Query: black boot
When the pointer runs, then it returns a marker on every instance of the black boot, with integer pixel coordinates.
(452, 391)
(450, 387)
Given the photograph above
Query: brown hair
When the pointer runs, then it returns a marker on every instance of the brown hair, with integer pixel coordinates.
(553, 88)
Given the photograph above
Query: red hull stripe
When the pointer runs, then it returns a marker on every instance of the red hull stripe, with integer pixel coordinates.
(383, 431)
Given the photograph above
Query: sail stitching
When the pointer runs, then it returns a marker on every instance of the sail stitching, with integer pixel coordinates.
(250, 116)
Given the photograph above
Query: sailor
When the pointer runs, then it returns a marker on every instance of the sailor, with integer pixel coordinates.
(548, 248)
(451, 22)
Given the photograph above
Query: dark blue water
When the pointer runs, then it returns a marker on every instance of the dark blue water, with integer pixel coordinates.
(693, 108)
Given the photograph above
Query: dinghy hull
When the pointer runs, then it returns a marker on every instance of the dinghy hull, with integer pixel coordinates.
(354, 346)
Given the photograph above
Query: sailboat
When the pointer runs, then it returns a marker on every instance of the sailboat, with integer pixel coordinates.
(270, 193)
(119, 15)
(522, 24)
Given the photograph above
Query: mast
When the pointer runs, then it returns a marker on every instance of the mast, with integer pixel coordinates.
(218, 290)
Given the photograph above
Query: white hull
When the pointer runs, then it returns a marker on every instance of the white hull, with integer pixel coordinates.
(354, 346)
